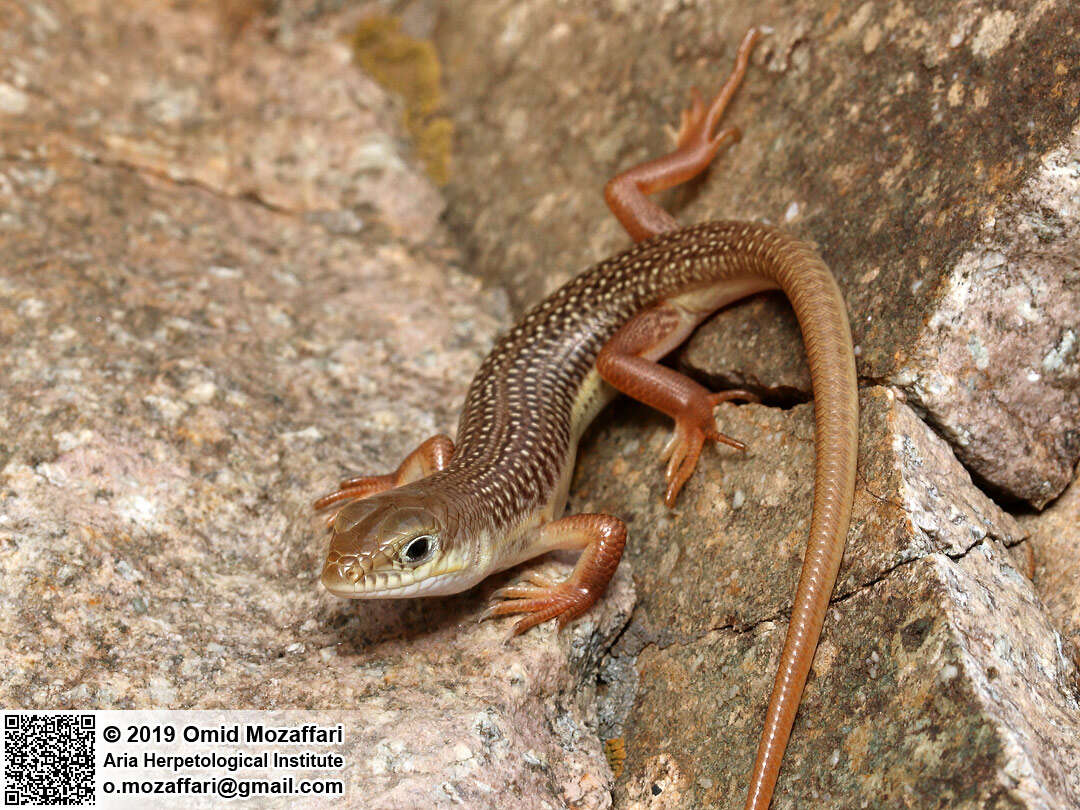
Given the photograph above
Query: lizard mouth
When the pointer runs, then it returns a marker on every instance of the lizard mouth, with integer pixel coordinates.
(355, 577)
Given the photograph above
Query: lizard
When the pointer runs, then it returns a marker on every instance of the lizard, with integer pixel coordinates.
(452, 514)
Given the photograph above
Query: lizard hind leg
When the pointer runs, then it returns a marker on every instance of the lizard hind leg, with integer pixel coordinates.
(628, 362)
(697, 126)
(689, 436)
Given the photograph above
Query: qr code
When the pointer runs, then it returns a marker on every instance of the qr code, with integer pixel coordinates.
(49, 759)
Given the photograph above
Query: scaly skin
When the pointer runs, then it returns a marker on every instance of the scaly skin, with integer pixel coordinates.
(448, 518)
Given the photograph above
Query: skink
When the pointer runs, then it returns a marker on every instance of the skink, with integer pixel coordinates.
(451, 515)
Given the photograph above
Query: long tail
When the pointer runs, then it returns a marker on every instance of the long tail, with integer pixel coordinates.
(814, 295)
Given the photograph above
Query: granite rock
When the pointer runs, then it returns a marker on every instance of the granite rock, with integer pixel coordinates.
(942, 685)
(1055, 542)
(940, 680)
(273, 109)
(194, 349)
(996, 368)
(929, 150)
(224, 284)
(703, 562)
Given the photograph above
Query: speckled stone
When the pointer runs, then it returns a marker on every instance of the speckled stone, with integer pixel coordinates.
(702, 564)
(888, 720)
(274, 110)
(930, 151)
(1055, 541)
(189, 360)
(942, 685)
(997, 366)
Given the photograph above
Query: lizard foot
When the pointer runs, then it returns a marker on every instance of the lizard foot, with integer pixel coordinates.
(433, 454)
(601, 539)
(695, 128)
(698, 121)
(352, 488)
(693, 427)
(565, 600)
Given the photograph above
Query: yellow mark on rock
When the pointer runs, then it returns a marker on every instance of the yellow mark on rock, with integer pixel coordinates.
(409, 67)
(615, 752)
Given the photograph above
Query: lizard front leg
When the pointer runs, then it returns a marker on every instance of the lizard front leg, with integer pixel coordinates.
(432, 455)
(601, 538)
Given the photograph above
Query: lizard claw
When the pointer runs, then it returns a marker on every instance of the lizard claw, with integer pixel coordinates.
(693, 428)
(564, 600)
(690, 119)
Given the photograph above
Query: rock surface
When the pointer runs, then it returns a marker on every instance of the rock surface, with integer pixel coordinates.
(279, 113)
(224, 284)
(939, 680)
(730, 552)
(939, 686)
(930, 151)
(1055, 540)
(186, 367)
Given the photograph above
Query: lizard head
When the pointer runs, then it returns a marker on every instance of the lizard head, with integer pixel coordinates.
(389, 546)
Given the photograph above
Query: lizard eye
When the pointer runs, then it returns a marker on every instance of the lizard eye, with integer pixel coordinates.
(418, 550)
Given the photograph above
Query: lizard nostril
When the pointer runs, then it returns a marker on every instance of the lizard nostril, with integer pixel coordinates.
(341, 573)
(350, 569)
